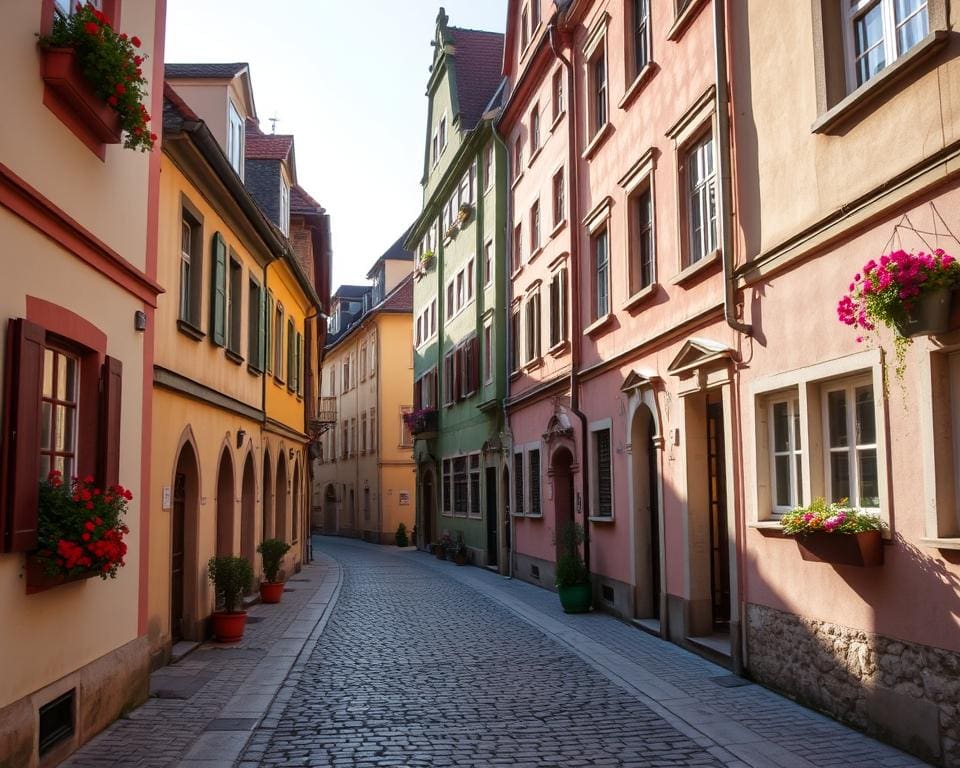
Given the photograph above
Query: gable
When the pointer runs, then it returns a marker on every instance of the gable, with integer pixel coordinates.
(698, 352)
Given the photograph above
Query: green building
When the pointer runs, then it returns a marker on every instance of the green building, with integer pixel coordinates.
(459, 331)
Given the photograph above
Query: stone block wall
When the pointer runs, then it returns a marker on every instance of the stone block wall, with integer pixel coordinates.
(903, 693)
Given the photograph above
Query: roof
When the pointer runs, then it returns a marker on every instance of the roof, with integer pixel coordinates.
(395, 252)
(400, 298)
(398, 301)
(175, 109)
(479, 64)
(266, 146)
(203, 71)
(301, 202)
(351, 291)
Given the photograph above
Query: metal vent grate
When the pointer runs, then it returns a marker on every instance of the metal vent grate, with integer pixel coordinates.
(56, 721)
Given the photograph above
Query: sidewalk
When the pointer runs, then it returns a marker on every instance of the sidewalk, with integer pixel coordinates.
(740, 723)
(203, 709)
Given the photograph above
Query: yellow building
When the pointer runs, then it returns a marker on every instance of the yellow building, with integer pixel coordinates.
(77, 297)
(363, 478)
(229, 419)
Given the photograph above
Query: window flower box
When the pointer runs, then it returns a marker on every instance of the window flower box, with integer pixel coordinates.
(929, 316)
(464, 213)
(39, 580)
(859, 549)
(63, 76)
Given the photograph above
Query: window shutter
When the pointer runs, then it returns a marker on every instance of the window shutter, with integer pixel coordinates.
(458, 373)
(562, 313)
(300, 364)
(418, 394)
(218, 287)
(262, 339)
(108, 458)
(21, 436)
(475, 364)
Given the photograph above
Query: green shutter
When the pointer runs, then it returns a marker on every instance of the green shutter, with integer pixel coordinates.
(300, 364)
(268, 331)
(291, 351)
(261, 340)
(218, 286)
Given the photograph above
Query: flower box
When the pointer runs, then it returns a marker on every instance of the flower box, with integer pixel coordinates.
(864, 549)
(64, 78)
(930, 315)
(38, 580)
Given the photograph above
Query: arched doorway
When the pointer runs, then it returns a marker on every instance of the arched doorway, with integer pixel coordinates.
(330, 510)
(226, 503)
(248, 511)
(183, 543)
(561, 473)
(646, 511)
(280, 500)
(266, 503)
(295, 510)
(427, 508)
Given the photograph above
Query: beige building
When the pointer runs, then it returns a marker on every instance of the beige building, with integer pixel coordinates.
(363, 478)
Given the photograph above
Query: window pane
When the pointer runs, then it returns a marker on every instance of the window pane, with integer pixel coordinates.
(837, 408)
(45, 468)
(781, 428)
(799, 477)
(839, 476)
(48, 373)
(797, 444)
(46, 412)
(912, 23)
(604, 479)
(783, 481)
(868, 42)
(866, 427)
(869, 483)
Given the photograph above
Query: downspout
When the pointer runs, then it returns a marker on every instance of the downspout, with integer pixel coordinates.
(725, 217)
(573, 197)
(508, 342)
(310, 405)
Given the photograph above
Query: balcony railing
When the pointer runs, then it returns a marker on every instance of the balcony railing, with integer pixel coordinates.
(423, 422)
(327, 411)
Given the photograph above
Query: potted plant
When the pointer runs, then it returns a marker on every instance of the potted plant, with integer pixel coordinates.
(271, 552)
(443, 546)
(426, 257)
(910, 293)
(834, 533)
(464, 212)
(231, 576)
(401, 536)
(85, 57)
(572, 579)
(79, 532)
(459, 553)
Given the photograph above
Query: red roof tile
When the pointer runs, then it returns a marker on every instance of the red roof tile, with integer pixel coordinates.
(400, 298)
(478, 58)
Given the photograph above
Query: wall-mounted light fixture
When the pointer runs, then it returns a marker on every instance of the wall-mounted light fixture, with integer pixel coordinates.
(241, 436)
(291, 454)
(140, 320)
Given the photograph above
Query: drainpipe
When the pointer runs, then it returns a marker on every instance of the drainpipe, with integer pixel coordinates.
(310, 405)
(573, 198)
(508, 298)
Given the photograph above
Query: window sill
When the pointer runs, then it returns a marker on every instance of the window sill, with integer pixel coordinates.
(941, 543)
(643, 77)
(188, 329)
(534, 517)
(516, 181)
(597, 141)
(514, 375)
(850, 106)
(253, 370)
(516, 273)
(536, 252)
(557, 120)
(640, 297)
(766, 525)
(558, 228)
(558, 349)
(536, 153)
(605, 519)
(598, 325)
(694, 270)
(532, 365)
(233, 357)
(683, 20)
(279, 382)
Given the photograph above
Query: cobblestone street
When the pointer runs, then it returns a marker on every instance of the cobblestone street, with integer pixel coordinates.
(421, 663)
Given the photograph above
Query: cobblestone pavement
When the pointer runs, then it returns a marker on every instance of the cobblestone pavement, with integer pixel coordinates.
(426, 664)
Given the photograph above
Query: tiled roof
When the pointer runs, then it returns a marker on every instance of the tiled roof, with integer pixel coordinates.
(302, 202)
(175, 109)
(203, 71)
(400, 298)
(268, 146)
(351, 291)
(478, 58)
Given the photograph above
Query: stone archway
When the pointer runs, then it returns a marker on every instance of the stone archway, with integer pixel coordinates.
(248, 511)
(645, 478)
(295, 511)
(184, 554)
(226, 504)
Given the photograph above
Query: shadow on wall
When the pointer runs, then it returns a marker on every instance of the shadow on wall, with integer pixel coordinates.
(901, 692)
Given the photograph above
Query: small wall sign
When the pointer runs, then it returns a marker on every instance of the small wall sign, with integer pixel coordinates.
(404, 498)
(166, 503)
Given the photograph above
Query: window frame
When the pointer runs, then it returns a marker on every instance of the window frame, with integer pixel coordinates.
(854, 11)
(596, 427)
(191, 217)
(849, 387)
(691, 189)
(790, 398)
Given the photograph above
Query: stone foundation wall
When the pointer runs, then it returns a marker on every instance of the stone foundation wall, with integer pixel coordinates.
(903, 693)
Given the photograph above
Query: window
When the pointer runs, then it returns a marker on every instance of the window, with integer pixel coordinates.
(353, 436)
(278, 342)
(434, 149)
(363, 433)
(372, 343)
(284, 207)
(191, 266)
(517, 255)
(535, 228)
(346, 374)
(58, 413)
(557, 90)
(786, 444)
(558, 308)
(488, 166)
(235, 139)
(447, 487)
(524, 28)
(487, 353)
(449, 392)
(291, 355)
(517, 158)
(598, 90)
(373, 430)
(488, 263)
(268, 351)
(603, 495)
(474, 489)
(451, 308)
(299, 367)
(533, 462)
(363, 362)
(559, 199)
(67, 7)
(701, 200)
(533, 327)
(534, 15)
(218, 292)
(470, 278)
(850, 435)
(641, 35)
(345, 443)
(255, 328)
(235, 306)
(641, 267)
(600, 245)
(460, 291)
(534, 131)
(460, 487)
(442, 133)
(518, 495)
(515, 339)
(877, 32)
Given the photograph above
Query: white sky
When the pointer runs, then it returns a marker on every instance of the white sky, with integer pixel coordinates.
(348, 79)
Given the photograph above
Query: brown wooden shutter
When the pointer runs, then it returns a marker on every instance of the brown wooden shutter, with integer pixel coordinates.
(475, 363)
(21, 435)
(418, 394)
(108, 457)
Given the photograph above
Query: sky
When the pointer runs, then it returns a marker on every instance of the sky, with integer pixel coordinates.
(348, 79)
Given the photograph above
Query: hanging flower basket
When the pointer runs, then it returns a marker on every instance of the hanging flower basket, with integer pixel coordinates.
(930, 315)
(834, 533)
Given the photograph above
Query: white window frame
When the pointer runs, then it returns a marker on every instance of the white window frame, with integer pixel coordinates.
(488, 259)
(593, 428)
(470, 473)
(849, 387)
(855, 10)
(489, 168)
(284, 207)
(792, 400)
(698, 191)
(528, 480)
(236, 138)
(488, 358)
(518, 451)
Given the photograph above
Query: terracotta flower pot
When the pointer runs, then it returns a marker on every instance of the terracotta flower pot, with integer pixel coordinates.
(271, 591)
(864, 550)
(228, 627)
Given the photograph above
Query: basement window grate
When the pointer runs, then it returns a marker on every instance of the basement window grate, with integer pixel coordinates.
(56, 721)
(607, 592)
(535, 571)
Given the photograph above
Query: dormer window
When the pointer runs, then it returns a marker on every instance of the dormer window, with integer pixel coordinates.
(284, 207)
(235, 139)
